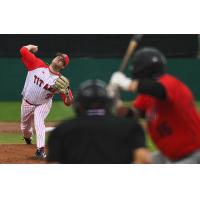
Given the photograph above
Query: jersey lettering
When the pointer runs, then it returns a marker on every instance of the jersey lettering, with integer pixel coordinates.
(41, 82)
(49, 88)
(35, 78)
(38, 81)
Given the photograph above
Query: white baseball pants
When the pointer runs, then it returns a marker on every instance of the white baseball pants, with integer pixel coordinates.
(34, 114)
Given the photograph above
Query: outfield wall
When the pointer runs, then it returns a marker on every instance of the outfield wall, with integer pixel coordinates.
(13, 74)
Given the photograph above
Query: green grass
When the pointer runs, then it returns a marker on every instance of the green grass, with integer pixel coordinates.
(151, 146)
(59, 112)
(10, 111)
(11, 138)
(15, 138)
(198, 105)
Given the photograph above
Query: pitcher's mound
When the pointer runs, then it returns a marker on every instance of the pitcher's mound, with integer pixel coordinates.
(19, 154)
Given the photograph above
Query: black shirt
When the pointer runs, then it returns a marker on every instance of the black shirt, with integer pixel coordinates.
(95, 139)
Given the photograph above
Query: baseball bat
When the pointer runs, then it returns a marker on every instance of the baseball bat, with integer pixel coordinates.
(129, 52)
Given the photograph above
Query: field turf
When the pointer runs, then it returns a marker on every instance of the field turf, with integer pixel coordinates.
(10, 112)
(12, 138)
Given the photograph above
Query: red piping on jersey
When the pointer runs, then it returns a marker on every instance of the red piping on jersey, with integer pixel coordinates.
(56, 73)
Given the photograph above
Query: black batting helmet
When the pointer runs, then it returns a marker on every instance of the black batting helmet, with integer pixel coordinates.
(92, 95)
(148, 62)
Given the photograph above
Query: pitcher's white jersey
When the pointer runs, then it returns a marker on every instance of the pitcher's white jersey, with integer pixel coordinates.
(38, 86)
(37, 96)
(39, 81)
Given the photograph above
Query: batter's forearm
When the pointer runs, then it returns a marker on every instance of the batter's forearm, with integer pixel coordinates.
(133, 87)
(129, 112)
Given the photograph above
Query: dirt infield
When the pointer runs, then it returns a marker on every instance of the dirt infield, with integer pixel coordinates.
(17, 153)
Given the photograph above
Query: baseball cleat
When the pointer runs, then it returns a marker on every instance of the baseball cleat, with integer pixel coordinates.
(28, 140)
(40, 153)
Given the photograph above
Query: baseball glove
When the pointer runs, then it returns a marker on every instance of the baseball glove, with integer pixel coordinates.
(62, 85)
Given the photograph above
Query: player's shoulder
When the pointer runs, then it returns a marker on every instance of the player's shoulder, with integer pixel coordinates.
(168, 78)
(170, 81)
(173, 82)
(40, 69)
(42, 63)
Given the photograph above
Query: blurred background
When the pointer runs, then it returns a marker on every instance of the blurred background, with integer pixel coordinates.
(92, 56)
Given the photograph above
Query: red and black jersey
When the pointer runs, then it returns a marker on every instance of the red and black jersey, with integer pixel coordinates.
(173, 123)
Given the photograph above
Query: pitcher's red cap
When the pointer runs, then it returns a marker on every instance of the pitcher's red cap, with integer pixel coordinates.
(65, 56)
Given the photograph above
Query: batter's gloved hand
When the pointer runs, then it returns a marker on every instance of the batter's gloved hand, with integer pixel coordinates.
(62, 85)
(118, 79)
(113, 90)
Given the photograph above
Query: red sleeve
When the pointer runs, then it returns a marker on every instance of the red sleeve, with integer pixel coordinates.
(67, 100)
(140, 103)
(30, 60)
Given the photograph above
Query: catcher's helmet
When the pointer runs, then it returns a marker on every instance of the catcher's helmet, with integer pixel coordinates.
(92, 94)
(148, 62)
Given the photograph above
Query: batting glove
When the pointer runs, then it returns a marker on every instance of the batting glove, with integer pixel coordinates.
(120, 80)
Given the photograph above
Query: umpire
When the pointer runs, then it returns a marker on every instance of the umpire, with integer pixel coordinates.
(95, 136)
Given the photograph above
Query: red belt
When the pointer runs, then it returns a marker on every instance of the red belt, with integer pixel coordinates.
(31, 103)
